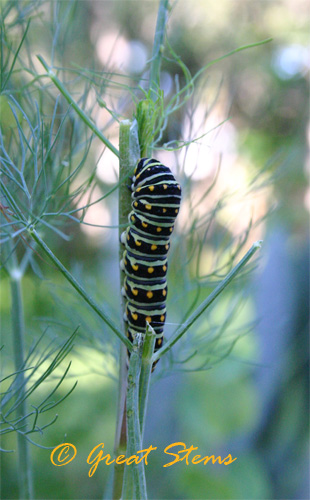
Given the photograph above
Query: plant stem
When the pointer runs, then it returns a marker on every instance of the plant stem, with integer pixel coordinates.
(33, 233)
(133, 425)
(206, 303)
(18, 328)
(159, 37)
(76, 107)
(129, 155)
(145, 375)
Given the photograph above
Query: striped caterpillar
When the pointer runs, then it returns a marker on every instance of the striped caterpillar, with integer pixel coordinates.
(156, 198)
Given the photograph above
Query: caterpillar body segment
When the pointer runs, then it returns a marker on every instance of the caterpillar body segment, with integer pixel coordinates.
(142, 267)
(145, 244)
(154, 292)
(150, 225)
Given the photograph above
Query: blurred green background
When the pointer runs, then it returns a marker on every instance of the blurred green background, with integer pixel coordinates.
(255, 403)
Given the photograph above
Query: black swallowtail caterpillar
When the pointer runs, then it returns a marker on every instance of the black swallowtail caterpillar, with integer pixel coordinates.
(156, 198)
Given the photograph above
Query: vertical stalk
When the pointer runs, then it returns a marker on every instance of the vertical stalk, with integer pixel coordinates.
(135, 473)
(145, 375)
(18, 330)
(159, 38)
(129, 155)
(149, 109)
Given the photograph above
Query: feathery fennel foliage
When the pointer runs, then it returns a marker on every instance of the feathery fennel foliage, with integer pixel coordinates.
(48, 145)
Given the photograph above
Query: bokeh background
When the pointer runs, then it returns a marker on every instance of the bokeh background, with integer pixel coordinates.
(255, 403)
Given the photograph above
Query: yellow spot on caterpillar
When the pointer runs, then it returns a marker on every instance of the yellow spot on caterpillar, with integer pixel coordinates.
(159, 341)
(135, 203)
(132, 218)
(134, 316)
(153, 247)
(158, 229)
(128, 237)
(149, 295)
(144, 224)
(167, 247)
(164, 293)
(126, 287)
(170, 229)
(164, 268)
(138, 189)
(150, 270)
(162, 318)
(148, 207)
(134, 291)
(151, 188)
(148, 319)
(138, 243)
(135, 267)
(125, 262)
(165, 186)
(164, 210)
(176, 210)
(179, 187)
(137, 177)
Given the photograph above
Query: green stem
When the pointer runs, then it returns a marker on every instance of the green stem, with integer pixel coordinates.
(134, 443)
(76, 107)
(159, 38)
(145, 375)
(24, 461)
(78, 287)
(206, 303)
(129, 155)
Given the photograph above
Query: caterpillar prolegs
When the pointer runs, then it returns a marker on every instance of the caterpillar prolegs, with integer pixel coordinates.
(156, 198)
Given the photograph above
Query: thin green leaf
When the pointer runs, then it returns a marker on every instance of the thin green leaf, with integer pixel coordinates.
(206, 303)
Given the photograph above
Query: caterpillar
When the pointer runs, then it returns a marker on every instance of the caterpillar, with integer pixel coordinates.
(156, 198)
